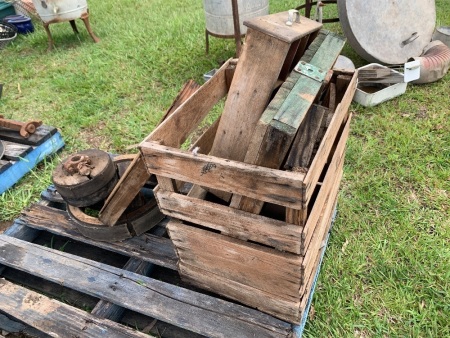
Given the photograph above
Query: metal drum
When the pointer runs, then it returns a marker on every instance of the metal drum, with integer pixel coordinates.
(85, 178)
(387, 31)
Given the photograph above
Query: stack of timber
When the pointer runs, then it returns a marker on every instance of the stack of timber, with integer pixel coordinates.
(252, 203)
(21, 154)
(55, 282)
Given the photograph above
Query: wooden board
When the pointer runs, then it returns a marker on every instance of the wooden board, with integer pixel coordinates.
(268, 231)
(275, 186)
(277, 127)
(20, 159)
(169, 303)
(42, 134)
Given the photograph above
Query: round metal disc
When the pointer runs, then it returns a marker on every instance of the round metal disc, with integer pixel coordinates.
(387, 31)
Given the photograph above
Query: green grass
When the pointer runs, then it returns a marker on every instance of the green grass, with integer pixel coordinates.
(386, 271)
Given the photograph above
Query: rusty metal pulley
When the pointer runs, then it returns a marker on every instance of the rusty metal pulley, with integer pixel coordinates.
(140, 216)
(85, 178)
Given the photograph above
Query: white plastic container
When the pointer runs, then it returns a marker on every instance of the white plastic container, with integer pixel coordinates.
(60, 10)
(371, 94)
(219, 14)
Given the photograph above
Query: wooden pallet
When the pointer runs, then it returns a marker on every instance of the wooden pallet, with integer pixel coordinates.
(57, 282)
(23, 154)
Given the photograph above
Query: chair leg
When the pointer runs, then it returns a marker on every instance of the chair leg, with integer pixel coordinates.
(49, 37)
(74, 26)
(88, 27)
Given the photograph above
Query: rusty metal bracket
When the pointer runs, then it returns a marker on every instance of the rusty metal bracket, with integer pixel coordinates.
(310, 71)
(25, 129)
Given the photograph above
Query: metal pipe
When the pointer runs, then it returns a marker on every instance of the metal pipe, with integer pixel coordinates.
(434, 62)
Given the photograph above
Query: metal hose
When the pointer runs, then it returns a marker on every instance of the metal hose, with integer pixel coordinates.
(434, 62)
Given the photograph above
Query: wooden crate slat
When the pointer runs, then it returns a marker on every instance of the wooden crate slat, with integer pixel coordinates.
(148, 247)
(253, 265)
(270, 185)
(50, 315)
(169, 303)
(274, 233)
(339, 116)
(328, 184)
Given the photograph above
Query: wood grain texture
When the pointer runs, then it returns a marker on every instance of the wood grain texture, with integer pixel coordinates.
(147, 247)
(246, 263)
(172, 304)
(281, 120)
(330, 181)
(270, 185)
(339, 117)
(247, 226)
(50, 315)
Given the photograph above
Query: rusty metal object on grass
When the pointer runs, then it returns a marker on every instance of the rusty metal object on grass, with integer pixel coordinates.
(85, 178)
(25, 129)
(140, 216)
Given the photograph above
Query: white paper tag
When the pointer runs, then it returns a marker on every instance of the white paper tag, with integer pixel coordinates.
(412, 71)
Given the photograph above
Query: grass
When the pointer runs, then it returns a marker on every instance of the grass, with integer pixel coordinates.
(386, 271)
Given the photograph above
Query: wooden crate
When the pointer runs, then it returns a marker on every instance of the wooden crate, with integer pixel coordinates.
(54, 281)
(258, 259)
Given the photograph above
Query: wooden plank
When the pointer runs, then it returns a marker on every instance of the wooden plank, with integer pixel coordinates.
(275, 26)
(175, 130)
(339, 117)
(4, 165)
(322, 228)
(277, 127)
(254, 79)
(270, 185)
(183, 120)
(257, 228)
(205, 141)
(42, 134)
(246, 263)
(328, 183)
(50, 315)
(266, 46)
(15, 151)
(302, 147)
(189, 88)
(196, 312)
(147, 247)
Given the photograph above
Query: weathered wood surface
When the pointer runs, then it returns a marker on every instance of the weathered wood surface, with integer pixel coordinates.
(206, 272)
(302, 147)
(330, 181)
(183, 120)
(147, 247)
(281, 120)
(339, 117)
(49, 315)
(270, 185)
(172, 304)
(271, 232)
(15, 151)
(265, 51)
(255, 266)
(42, 134)
(275, 25)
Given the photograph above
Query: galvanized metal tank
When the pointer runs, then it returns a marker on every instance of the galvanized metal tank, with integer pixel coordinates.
(387, 31)
(219, 14)
(60, 10)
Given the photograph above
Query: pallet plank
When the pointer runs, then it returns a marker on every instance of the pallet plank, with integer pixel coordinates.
(172, 304)
(50, 315)
(147, 247)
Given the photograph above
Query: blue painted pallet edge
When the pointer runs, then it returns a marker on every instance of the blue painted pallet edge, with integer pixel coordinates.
(298, 329)
(19, 169)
